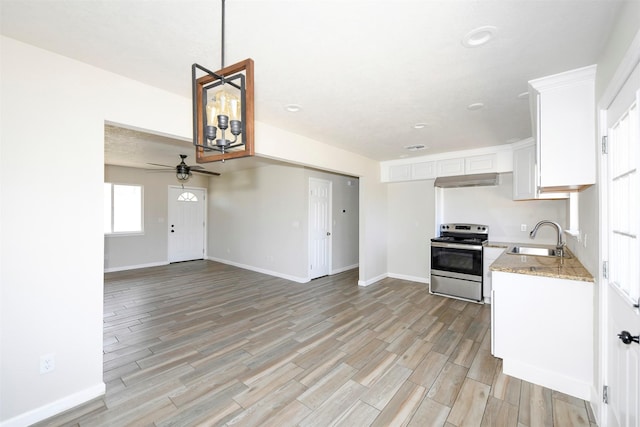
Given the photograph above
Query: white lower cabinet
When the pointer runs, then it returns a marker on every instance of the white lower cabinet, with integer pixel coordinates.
(489, 255)
(542, 328)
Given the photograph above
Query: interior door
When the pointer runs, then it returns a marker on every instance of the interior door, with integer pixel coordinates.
(319, 228)
(623, 255)
(186, 224)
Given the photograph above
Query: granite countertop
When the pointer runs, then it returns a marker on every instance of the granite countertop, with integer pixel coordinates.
(554, 267)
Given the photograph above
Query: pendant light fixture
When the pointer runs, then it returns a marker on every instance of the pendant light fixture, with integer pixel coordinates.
(223, 112)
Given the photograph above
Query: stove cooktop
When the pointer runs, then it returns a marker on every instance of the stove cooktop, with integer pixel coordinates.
(468, 234)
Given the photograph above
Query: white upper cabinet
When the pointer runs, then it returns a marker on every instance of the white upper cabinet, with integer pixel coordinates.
(481, 164)
(524, 174)
(563, 120)
(451, 167)
(491, 159)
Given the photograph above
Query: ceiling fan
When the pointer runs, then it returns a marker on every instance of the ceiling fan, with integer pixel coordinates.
(183, 171)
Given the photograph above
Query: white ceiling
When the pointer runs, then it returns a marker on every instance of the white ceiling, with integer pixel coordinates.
(364, 72)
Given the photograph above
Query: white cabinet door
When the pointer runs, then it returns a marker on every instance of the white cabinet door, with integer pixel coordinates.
(563, 119)
(424, 170)
(489, 255)
(451, 167)
(535, 337)
(481, 164)
(400, 173)
(524, 175)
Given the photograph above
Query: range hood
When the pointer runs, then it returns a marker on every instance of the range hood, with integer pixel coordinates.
(477, 180)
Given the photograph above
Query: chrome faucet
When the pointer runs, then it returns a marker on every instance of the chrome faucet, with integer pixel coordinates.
(559, 244)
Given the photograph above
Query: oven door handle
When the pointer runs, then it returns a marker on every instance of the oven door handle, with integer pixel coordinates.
(456, 246)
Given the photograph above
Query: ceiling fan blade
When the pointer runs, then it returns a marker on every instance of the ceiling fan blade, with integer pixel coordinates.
(164, 166)
(206, 172)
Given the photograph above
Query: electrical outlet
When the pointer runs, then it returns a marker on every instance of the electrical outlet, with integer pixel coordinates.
(523, 227)
(47, 363)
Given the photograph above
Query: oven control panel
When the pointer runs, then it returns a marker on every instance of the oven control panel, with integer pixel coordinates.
(465, 228)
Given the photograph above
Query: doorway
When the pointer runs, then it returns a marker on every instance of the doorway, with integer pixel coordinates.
(186, 227)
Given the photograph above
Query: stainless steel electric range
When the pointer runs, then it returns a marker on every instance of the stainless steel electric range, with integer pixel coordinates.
(456, 261)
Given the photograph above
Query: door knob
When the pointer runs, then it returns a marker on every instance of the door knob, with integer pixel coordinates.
(627, 338)
(328, 233)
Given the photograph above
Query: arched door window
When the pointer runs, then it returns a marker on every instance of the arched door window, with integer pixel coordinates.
(187, 196)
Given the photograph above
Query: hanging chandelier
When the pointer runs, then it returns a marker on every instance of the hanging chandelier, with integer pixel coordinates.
(223, 111)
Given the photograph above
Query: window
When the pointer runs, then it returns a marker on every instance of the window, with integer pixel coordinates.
(624, 208)
(122, 208)
(187, 196)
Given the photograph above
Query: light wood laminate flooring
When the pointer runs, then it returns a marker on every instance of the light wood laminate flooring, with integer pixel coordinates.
(203, 343)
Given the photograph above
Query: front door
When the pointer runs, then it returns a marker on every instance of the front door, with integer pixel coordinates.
(623, 254)
(186, 224)
(319, 227)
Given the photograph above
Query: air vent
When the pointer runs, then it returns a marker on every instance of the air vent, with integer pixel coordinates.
(416, 147)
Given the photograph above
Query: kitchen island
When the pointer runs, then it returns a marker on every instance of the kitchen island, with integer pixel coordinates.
(542, 321)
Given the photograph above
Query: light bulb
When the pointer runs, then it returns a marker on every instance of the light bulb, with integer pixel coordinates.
(234, 108)
(211, 112)
(222, 103)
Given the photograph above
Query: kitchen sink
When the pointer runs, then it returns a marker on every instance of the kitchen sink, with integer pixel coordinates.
(526, 250)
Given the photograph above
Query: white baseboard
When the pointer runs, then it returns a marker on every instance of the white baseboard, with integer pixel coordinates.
(409, 278)
(133, 267)
(261, 270)
(343, 269)
(372, 281)
(55, 408)
(550, 379)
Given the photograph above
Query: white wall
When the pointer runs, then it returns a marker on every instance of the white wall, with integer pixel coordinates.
(277, 143)
(411, 211)
(150, 248)
(495, 207)
(258, 219)
(53, 114)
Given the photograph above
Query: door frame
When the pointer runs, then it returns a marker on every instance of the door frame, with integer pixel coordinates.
(206, 222)
(626, 66)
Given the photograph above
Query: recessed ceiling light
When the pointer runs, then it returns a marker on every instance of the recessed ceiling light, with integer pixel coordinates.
(479, 36)
(420, 126)
(293, 108)
(416, 147)
(475, 106)
(523, 95)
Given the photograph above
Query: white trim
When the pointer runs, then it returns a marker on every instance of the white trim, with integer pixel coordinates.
(551, 379)
(56, 407)
(373, 280)
(260, 270)
(627, 64)
(409, 278)
(135, 267)
(343, 269)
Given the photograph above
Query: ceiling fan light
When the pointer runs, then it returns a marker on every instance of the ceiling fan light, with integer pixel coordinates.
(182, 172)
